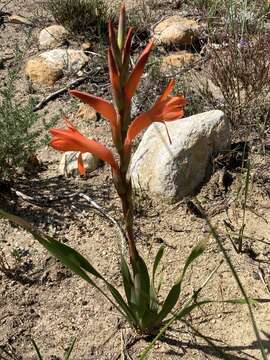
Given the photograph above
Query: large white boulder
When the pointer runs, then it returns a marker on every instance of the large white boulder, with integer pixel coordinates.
(173, 171)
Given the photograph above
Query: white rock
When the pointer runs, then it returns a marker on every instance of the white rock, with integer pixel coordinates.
(173, 171)
(69, 165)
(52, 36)
(49, 66)
(65, 59)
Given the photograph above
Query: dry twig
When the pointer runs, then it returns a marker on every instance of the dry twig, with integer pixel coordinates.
(55, 94)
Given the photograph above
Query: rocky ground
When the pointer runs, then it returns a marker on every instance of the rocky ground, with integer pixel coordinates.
(40, 299)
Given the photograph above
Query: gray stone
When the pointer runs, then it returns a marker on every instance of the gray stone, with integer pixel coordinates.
(52, 36)
(173, 171)
(69, 165)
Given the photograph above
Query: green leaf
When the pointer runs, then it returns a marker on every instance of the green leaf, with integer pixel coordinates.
(154, 306)
(175, 291)
(142, 287)
(186, 310)
(121, 302)
(37, 349)
(128, 283)
(169, 302)
(196, 252)
(69, 257)
(157, 261)
(161, 279)
(69, 350)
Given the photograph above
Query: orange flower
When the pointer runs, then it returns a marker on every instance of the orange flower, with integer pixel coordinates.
(136, 74)
(119, 61)
(104, 107)
(71, 139)
(166, 108)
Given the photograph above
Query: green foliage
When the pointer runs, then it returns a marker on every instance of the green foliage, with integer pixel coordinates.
(238, 70)
(17, 253)
(80, 16)
(238, 14)
(17, 141)
(206, 7)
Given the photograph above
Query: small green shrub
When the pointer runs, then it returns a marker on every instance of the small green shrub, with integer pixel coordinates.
(241, 72)
(80, 16)
(236, 77)
(18, 142)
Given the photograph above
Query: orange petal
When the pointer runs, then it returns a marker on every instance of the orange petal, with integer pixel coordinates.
(81, 167)
(167, 110)
(136, 74)
(72, 140)
(167, 91)
(104, 107)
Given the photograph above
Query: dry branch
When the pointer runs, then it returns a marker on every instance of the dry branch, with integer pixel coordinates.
(55, 94)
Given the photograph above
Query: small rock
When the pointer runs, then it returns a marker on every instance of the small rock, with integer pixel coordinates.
(86, 112)
(176, 30)
(39, 71)
(49, 66)
(177, 60)
(70, 60)
(69, 165)
(173, 171)
(86, 46)
(52, 36)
